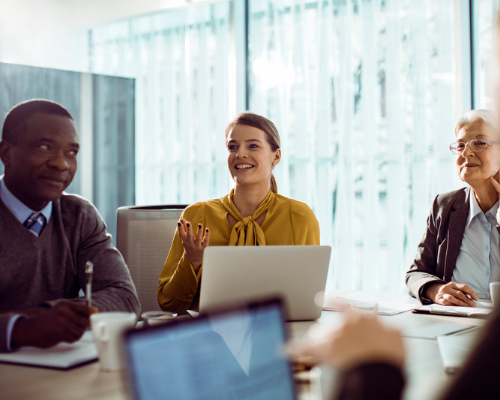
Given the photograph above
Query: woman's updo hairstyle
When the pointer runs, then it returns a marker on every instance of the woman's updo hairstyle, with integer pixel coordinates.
(257, 121)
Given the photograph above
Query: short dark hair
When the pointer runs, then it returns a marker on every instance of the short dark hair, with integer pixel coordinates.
(15, 121)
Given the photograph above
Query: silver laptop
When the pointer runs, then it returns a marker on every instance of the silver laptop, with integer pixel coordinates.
(236, 274)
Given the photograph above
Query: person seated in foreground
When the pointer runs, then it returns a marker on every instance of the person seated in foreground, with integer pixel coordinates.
(370, 357)
(459, 254)
(253, 214)
(47, 236)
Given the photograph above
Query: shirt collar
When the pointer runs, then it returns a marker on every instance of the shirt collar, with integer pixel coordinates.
(493, 211)
(17, 207)
(476, 210)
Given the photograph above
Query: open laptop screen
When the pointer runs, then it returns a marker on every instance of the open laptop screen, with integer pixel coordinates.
(232, 354)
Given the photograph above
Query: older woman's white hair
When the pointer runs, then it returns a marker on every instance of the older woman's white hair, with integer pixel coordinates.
(470, 117)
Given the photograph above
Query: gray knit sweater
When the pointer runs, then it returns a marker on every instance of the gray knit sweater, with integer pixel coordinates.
(44, 269)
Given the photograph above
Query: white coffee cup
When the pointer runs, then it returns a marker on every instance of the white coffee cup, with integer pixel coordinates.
(107, 329)
(495, 292)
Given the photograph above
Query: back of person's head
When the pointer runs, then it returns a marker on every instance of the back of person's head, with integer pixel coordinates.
(17, 116)
(481, 116)
(257, 121)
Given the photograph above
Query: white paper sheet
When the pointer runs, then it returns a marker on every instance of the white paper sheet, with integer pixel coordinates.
(432, 331)
(387, 303)
(62, 356)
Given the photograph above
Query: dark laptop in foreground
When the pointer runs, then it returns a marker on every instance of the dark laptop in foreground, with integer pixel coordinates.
(236, 274)
(236, 353)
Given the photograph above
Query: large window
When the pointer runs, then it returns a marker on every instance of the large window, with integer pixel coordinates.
(180, 60)
(484, 17)
(362, 92)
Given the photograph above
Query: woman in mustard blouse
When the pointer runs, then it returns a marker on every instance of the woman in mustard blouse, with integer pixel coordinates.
(253, 214)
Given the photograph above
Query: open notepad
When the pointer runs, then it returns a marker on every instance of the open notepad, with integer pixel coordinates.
(62, 356)
(474, 312)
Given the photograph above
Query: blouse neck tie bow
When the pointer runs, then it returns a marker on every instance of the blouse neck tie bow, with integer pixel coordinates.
(247, 232)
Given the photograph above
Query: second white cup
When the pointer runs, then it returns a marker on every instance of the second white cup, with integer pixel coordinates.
(495, 292)
(107, 329)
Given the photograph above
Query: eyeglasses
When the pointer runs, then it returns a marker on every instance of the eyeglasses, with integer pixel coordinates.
(476, 145)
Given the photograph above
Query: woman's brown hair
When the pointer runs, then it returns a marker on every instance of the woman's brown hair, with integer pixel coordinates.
(257, 121)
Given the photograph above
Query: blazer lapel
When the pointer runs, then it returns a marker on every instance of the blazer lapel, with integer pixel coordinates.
(456, 229)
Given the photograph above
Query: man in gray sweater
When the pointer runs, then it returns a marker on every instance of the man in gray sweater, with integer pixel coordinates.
(47, 236)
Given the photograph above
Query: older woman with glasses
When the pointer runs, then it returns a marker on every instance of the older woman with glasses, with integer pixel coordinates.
(459, 254)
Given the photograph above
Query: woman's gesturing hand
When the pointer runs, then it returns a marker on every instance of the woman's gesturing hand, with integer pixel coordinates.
(193, 245)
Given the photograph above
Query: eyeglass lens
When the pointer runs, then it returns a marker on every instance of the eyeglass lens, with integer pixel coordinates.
(475, 145)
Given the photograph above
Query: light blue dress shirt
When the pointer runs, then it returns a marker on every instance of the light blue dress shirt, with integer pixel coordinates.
(17, 207)
(22, 213)
(478, 262)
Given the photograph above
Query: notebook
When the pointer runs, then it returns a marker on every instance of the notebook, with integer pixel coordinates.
(233, 274)
(474, 312)
(236, 353)
(61, 356)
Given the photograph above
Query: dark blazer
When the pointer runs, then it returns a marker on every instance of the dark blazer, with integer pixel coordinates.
(438, 250)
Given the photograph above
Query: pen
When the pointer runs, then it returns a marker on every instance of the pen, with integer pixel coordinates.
(89, 270)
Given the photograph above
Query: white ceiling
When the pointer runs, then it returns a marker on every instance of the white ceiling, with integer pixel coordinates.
(53, 33)
(88, 13)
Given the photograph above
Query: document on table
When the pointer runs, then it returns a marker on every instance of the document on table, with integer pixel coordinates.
(387, 303)
(455, 349)
(475, 312)
(61, 356)
(484, 303)
(432, 331)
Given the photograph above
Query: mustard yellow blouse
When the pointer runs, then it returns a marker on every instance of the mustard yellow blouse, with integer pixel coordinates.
(287, 222)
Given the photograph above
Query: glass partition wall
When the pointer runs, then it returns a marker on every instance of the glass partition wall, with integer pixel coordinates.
(103, 109)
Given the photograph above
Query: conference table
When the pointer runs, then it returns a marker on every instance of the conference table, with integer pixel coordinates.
(424, 368)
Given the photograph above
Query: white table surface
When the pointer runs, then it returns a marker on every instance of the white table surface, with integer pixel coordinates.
(425, 373)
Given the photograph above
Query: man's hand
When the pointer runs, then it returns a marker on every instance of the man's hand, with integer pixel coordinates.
(65, 322)
(452, 294)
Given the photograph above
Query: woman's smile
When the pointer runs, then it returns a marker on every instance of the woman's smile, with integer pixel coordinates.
(470, 165)
(243, 166)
